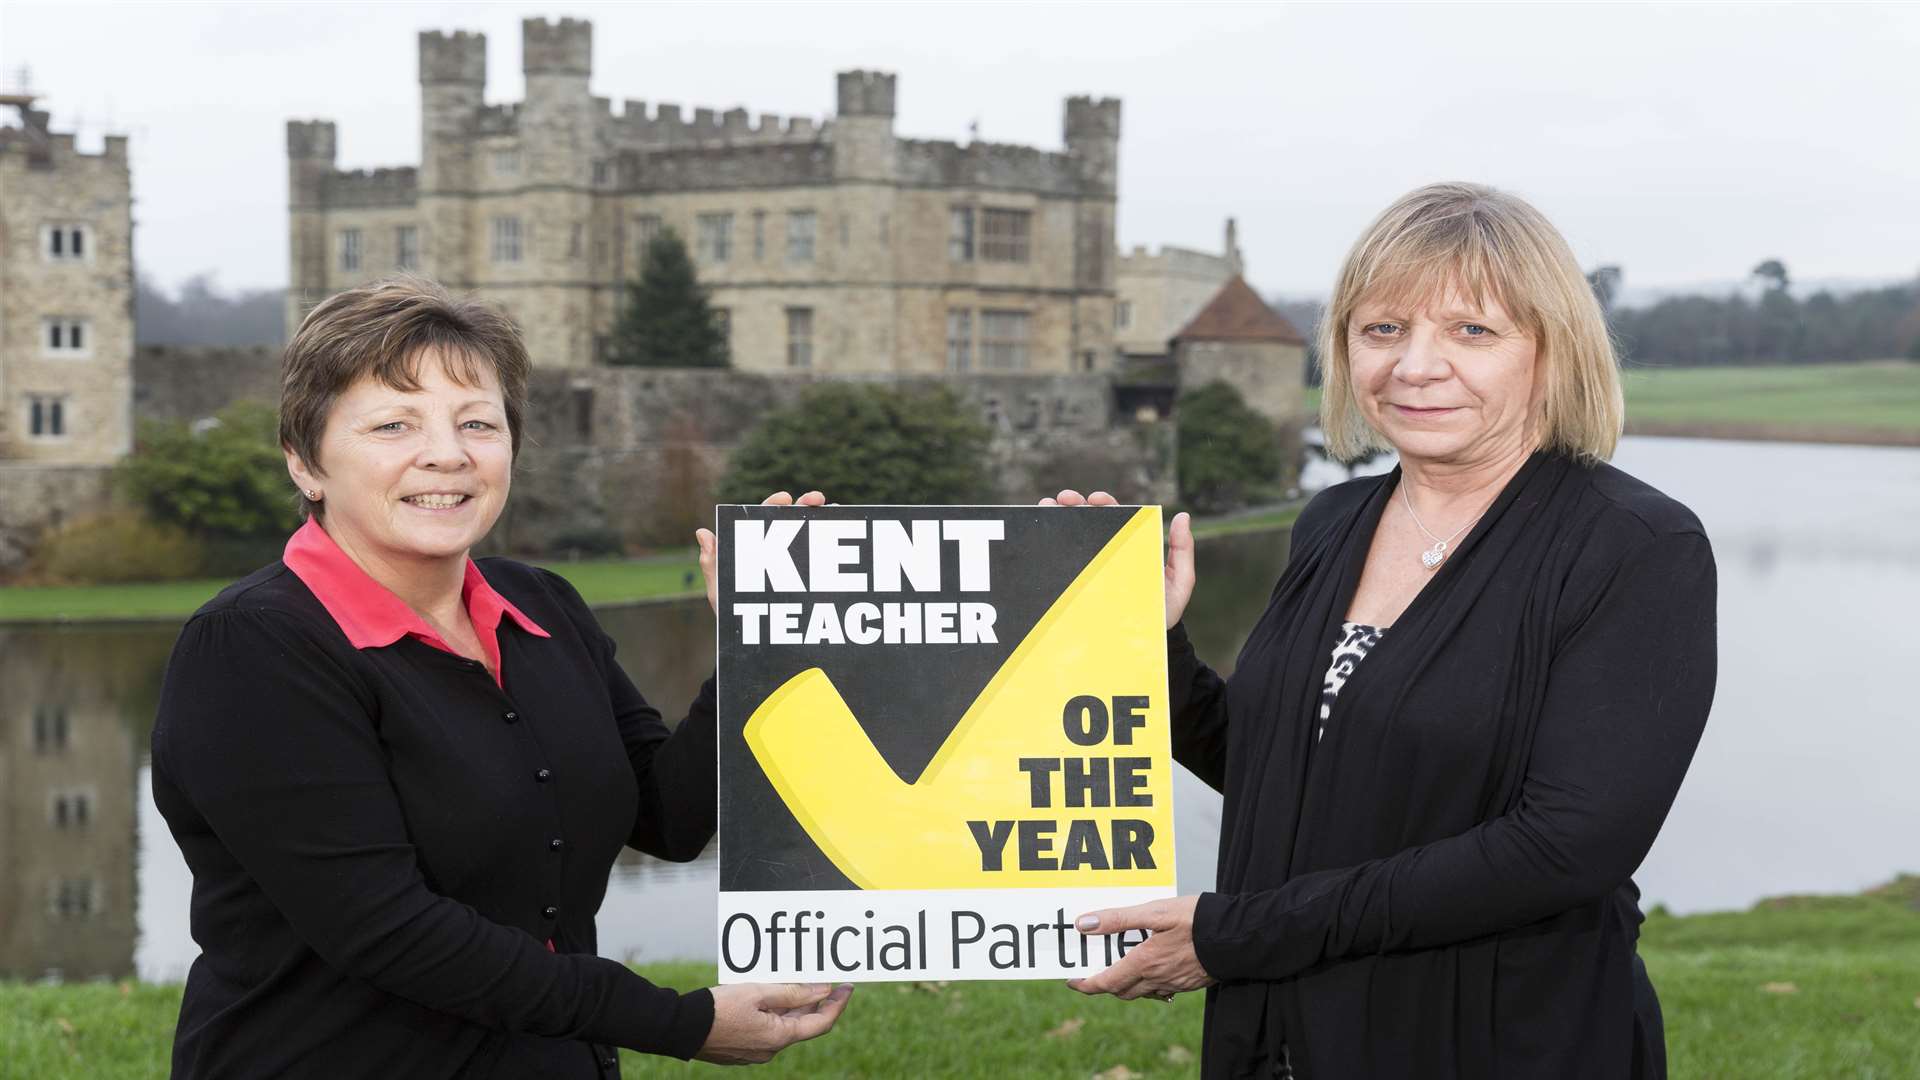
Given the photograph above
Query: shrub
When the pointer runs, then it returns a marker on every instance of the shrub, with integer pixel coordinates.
(1230, 455)
(866, 444)
(117, 546)
(227, 479)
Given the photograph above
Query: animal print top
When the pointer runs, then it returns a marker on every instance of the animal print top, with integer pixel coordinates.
(1356, 640)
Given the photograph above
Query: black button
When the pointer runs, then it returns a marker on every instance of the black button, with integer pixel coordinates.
(608, 1062)
(510, 716)
(554, 844)
(543, 775)
(550, 911)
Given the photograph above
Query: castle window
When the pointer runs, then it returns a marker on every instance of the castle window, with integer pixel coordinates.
(799, 337)
(46, 416)
(1122, 314)
(723, 322)
(49, 729)
(506, 162)
(960, 234)
(801, 225)
(577, 242)
(506, 239)
(66, 337)
(70, 809)
(959, 339)
(602, 173)
(66, 242)
(349, 249)
(716, 237)
(406, 247)
(645, 228)
(759, 235)
(1003, 340)
(74, 898)
(1004, 235)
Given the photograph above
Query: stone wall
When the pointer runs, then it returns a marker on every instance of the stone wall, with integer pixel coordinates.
(36, 499)
(639, 451)
(187, 383)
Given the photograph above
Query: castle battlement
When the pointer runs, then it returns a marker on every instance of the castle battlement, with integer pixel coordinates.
(666, 126)
(560, 47)
(459, 57)
(368, 188)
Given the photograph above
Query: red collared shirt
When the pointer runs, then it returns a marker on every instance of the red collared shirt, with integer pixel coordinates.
(373, 617)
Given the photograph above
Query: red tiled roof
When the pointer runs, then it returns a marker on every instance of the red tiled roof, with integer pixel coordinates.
(1236, 313)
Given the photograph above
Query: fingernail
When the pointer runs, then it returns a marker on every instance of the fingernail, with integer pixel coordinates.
(1089, 922)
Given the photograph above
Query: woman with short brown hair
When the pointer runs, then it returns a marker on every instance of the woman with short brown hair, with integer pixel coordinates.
(401, 777)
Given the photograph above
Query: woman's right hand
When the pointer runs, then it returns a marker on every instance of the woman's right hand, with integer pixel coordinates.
(710, 546)
(1178, 574)
(754, 1021)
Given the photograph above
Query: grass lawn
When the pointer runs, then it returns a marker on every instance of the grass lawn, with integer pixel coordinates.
(1813, 988)
(1809, 399)
(1879, 396)
(600, 581)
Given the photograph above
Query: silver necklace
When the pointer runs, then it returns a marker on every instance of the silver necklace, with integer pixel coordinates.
(1437, 554)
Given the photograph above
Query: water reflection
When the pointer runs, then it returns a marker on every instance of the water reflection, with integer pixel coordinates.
(1803, 782)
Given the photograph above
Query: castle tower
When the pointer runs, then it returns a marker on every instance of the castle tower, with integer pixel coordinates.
(453, 78)
(556, 135)
(311, 150)
(863, 129)
(1093, 141)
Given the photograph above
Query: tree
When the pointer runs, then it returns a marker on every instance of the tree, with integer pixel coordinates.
(667, 321)
(1230, 455)
(863, 443)
(1774, 272)
(1605, 281)
(227, 480)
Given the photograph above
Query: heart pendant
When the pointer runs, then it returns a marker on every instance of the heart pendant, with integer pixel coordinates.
(1432, 558)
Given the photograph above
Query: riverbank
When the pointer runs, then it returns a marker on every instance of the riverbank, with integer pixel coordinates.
(1798, 987)
(601, 582)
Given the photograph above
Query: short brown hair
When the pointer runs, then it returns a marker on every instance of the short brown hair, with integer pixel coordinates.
(1482, 242)
(382, 330)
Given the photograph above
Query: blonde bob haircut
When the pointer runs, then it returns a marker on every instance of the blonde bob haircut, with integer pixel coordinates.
(1479, 243)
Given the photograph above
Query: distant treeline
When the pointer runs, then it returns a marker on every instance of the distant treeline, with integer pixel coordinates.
(1775, 327)
(201, 314)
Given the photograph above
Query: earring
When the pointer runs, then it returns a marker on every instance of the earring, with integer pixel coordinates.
(313, 496)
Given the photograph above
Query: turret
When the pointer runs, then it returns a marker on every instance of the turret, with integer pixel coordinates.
(555, 123)
(863, 130)
(453, 79)
(1093, 141)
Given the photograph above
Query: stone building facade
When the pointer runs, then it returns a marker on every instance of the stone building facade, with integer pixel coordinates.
(1237, 339)
(1158, 292)
(66, 295)
(830, 247)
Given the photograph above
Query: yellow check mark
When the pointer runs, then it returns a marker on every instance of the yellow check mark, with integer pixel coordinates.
(1103, 637)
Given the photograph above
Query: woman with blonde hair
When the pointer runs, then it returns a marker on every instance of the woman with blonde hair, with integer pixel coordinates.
(1457, 728)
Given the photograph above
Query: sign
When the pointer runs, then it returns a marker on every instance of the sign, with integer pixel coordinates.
(943, 736)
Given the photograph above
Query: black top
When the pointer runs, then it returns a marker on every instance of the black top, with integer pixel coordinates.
(1441, 889)
(383, 841)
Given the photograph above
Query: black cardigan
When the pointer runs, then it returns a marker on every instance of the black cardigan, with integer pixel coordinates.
(383, 841)
(1440, 888)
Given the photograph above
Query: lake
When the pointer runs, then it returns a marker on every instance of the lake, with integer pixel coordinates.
(1804, 782)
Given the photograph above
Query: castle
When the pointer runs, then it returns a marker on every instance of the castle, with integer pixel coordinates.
(66, 295)
(833, 247)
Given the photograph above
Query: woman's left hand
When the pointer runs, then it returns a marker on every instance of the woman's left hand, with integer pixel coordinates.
(709, 546)
(1162, 966)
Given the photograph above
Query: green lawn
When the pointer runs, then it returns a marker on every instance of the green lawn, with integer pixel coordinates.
(600, 581)
(1880, 396)
(1813, 988)
(1810, 399)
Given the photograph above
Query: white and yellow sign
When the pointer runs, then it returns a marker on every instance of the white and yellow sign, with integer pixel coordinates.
(943, 735)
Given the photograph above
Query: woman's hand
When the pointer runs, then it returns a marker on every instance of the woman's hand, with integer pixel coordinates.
(754, 1021)
(710, 547)
(1179, 570)
(1164, 965)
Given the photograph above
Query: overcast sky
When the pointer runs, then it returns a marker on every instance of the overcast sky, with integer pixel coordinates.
(1683, 142)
